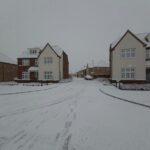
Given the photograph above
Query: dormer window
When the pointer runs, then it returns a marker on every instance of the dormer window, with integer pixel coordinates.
(33, 51)
(147, 38)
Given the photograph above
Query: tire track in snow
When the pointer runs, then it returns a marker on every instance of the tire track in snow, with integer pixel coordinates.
(15, 93)
(56, 102)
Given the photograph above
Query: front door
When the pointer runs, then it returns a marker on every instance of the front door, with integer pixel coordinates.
(34, 76)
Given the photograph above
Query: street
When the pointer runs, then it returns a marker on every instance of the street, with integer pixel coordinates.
(71, 116)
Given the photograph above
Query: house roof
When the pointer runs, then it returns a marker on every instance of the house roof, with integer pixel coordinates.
(6, 59)
(57, 49)
(140, 37)
(33, 69)
(26, 54)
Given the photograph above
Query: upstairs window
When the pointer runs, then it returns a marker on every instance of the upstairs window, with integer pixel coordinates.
(148, 54)
(25, 62)
(128, 53)
(33, 51)
(48, 60)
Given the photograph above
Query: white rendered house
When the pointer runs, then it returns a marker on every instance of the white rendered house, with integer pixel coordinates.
(48, 64)
(130, 58)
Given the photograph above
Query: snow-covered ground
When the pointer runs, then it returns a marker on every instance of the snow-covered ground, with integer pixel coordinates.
(72, 116)
(139, 96)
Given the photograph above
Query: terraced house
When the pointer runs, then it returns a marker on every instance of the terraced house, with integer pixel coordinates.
(130, 58)
(48, 64)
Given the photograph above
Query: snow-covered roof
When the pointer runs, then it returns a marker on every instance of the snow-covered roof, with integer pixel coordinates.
(6, 59)
(57, 49)
(140, 36)
(33, 69)
(27, 54)
(115, 42)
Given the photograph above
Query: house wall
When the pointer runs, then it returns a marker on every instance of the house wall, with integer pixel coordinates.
(61, 66)
(65, 66)
(138, 62)
(54, 67)
(8, 72)
(22, 68)
(100, 71)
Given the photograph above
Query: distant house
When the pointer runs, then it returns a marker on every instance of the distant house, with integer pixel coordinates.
(130, 58)
(48, 64)
(100, 70)
(8, 68)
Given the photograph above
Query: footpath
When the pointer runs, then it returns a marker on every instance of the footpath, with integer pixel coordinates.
(141, 98)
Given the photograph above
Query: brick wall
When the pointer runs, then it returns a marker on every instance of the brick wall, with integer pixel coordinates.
(65, 66)
(8, 72)
(22, 68)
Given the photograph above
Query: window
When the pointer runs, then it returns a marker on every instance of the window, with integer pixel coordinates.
(123, 53)
(128, 73)
(48, 60)
(128, 53)
(25, 62)
(33, 51)
(25, 75)
(122, 72)
(147, 53)
(48, 75)
(36, 62)
(132, 52)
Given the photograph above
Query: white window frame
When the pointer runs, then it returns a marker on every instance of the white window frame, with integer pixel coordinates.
(25, 62)
(25, 75)
(128, 53)
(128, 72)
(33, 51)
(48, 60)
(147, 53)
(48, 75)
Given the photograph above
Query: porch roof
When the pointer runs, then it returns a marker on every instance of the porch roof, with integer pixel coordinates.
(33, 69)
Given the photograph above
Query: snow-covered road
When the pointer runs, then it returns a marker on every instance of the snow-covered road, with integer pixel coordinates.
(71, 116)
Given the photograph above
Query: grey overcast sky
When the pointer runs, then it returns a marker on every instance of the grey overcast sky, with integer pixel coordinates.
(83, 28)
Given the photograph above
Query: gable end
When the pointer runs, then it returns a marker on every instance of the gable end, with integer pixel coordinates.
(50, 47)
(128, 31)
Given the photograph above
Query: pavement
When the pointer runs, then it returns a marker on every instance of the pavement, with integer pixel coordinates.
(140, 98)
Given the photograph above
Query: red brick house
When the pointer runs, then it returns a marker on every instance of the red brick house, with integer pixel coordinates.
(48, 64)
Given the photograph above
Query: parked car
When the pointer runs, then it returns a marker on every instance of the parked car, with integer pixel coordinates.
(88, 77)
